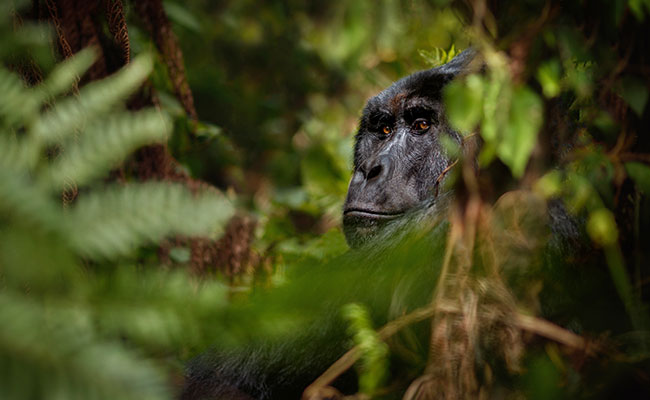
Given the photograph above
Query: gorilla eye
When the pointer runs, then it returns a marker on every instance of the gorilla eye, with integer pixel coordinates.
(421, 124)
(387, 130)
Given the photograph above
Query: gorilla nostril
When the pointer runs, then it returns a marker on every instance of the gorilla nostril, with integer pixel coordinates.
(377, 168)
(374, 172)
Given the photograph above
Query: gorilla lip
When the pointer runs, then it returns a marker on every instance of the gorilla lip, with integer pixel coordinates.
(357, 212)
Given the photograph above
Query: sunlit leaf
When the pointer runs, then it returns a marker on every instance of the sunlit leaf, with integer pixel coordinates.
(520, 134)
(635, 93)
(373, 351)
(495, 101)
(463, 102)
(548, 76)
(637, 8)
(601, 227)
(640, 173)
(549, 185)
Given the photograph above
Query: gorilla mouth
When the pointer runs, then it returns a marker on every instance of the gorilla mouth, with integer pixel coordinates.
(372, 214)
(360, 225)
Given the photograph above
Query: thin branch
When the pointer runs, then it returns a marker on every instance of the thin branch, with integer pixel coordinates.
(634, 157)
(442, 175)
(551, 331)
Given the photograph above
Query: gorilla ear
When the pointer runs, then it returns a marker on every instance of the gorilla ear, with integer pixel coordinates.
(464, 63)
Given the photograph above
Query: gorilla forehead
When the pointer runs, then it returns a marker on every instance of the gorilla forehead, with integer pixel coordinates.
(426, 84)
(421, 88)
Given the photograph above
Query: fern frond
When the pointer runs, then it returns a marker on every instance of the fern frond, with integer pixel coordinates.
(115, 221)
(17, 154)
(95, 100)
(157, 308)
(58, 351)
(105, 143)
(17, 102)
(67, 73)
(22, 200)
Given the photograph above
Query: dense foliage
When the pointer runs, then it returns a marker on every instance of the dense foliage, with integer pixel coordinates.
(79, 317)
(90, 308)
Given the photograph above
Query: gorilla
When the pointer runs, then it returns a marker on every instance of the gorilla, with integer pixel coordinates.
(399, 164)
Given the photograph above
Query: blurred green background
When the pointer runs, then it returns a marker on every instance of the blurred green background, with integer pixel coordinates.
(100, 293)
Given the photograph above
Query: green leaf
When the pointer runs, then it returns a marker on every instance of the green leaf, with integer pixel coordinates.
(581, 193)
(374, 352)
(463, 102)
(640, 173)
(605, 123)
(520, 133)
(438, 56)
(635, 93)
(549, 75)
(621, 279)
(207, 131)
(549, 185)
(181, 16)
(579, 74)
(321, 175)
(495, 99)
(601, 227)
(636, 6)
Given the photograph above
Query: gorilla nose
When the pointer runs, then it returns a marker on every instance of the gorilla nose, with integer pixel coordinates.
(377, 169)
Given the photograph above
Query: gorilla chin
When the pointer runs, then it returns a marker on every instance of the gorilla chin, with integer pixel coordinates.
(377, 231)
(361, 226)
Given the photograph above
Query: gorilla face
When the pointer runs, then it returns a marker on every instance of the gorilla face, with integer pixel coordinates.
(398, 156)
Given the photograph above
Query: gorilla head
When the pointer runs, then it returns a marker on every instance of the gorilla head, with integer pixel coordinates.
(399, 158)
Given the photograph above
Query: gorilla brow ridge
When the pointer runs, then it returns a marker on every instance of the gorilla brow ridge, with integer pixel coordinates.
(421, 109)
(380, 116)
